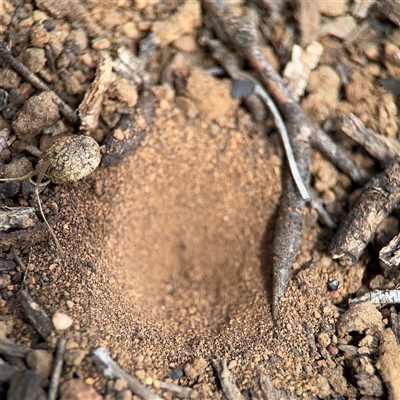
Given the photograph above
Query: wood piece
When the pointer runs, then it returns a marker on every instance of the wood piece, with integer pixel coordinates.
(380, 196)
(380, 297)
(228, 384)
(92, 104)
(130, 131)
(109, 368)
(395, 325)
(4, 135)
(381, 147)
(17, 218)
(7, 371)
(36, 315)
(9, 348)
(390, 254)
(24, 238)
(34, 80)
(391, 9)
(326, 146)
(183, 392)
(273, 8)
(270, 392)
(57, 370)
(361, 7)
(25, 385)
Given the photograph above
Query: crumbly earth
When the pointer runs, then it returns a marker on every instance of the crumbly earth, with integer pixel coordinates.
(168, 254)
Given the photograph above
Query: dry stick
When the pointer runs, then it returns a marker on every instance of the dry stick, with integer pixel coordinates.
(29, 76)
(183, 392)
(4, 135)
(228, 385)
(111, 370)
(383, 148)
(289, 224)
(9, 348)
(36, 315)
(390, 254)
(243, 37)
(40, 171)
(229, 62)
(326, 146)
(380, 196)
(380, 297)
(57, 369)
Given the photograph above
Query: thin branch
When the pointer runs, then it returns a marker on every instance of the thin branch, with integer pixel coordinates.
(228, 385)
(57, 369)
(381, 147)
(111, 370)
(380, 196)
(230, 63)
(243, 36)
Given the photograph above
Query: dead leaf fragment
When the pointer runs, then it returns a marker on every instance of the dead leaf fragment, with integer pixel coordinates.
(91, 106)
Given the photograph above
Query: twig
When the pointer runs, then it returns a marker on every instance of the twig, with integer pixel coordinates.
(326, 146)
(24, 238)
(381, 297)
(288, 233)
(228, 385)
(230, 63)
(243, 37)
(57, 369)
(9, 348)
(111, 370)
(390, 254)
(286, 143)
(36, 315)
(17, 217)
(381, 195)
(384, 149)
(4, 135)
(28, 75)
(391, 9)
(270, 392)
(182, 392)
(7, 371)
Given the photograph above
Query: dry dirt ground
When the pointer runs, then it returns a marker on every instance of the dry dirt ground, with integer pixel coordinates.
(168, 254)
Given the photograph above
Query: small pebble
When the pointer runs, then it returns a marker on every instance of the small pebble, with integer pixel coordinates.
(332, 284)
(40, 361)
(75, 389)
(62, 321)
(140, 374)
(176, 374)
(38, 112)
(124, 395)
(74, 357)
(120, 384)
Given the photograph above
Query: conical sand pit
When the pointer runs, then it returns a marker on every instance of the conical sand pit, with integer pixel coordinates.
(168, 257)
